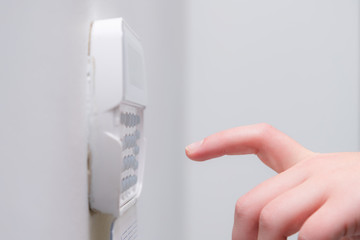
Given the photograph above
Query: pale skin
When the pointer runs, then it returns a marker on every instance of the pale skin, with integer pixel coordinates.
(317, 195)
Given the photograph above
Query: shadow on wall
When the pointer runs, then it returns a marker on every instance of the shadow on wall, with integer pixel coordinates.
(100, 225)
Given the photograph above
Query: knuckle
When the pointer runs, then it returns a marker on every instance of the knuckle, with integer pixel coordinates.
(265, 128)
(268, 218)
(264, 131)
(243, 209)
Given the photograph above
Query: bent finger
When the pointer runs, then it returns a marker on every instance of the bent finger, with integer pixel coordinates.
(337, 219)
(285, 215)
(248, 207)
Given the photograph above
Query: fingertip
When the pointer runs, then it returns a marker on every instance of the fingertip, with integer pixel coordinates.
(192, 149)
(187, 152)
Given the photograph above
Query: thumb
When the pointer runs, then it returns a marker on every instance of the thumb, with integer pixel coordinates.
(274, 148)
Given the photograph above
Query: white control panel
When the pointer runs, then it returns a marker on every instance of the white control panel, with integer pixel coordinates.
(116, 117)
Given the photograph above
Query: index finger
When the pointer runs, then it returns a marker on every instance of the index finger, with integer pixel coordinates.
(274, 148)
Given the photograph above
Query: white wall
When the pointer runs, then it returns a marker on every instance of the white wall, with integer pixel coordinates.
(293, 64)
(43, 142)
(43, 181)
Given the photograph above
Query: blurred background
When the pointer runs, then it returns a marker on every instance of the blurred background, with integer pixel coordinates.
(211, 65)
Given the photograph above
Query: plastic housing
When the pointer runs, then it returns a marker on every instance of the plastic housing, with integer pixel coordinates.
(117, 99)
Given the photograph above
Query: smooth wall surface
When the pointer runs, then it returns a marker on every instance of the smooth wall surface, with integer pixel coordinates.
(293, 64)
(43, 178)
(43, 135)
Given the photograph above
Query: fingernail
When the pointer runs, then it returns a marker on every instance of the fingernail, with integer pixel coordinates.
(193, 147)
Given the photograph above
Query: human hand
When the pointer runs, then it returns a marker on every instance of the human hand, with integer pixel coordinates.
(317, 195)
